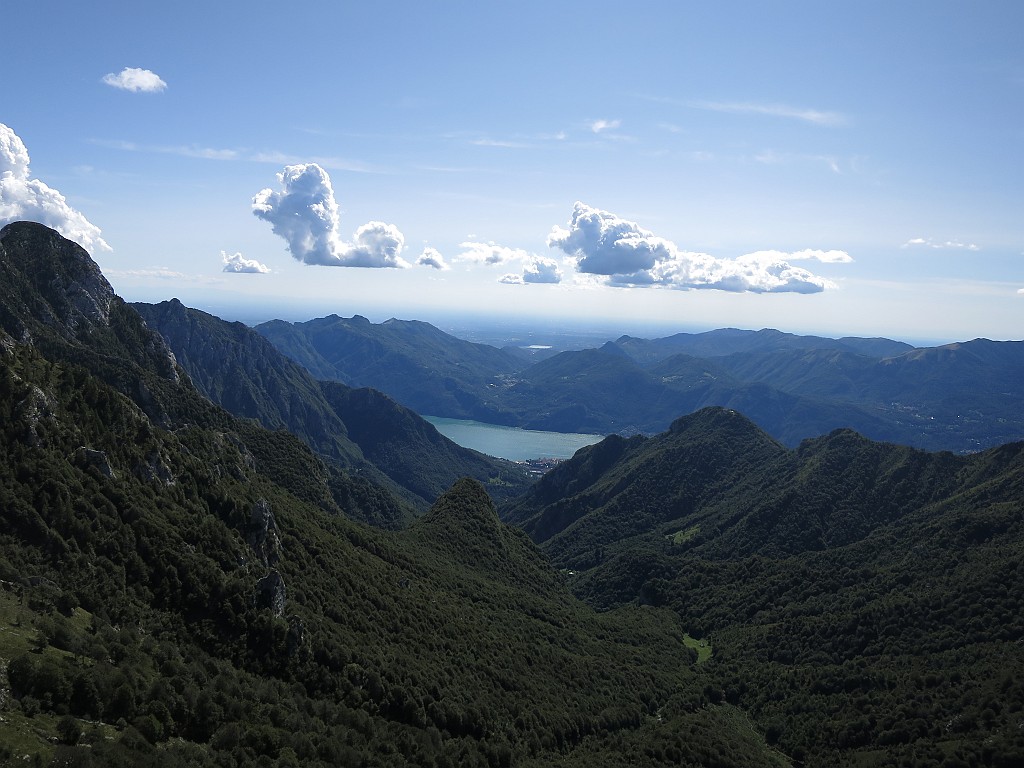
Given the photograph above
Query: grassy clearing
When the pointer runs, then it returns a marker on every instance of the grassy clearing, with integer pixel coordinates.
(19, 735)
(737, 721)
(17, 630)
(683, 536)
(702, 647)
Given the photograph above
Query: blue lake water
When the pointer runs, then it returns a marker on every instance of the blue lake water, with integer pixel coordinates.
(511, 442)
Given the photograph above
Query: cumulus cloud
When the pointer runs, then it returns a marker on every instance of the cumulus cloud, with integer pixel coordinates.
(626, 254)
(542, 270)
(539, 269)
(135, 80)
(24, 198)
(235, 262)
(489, 253)
(431, 257)
(305, 214)
(940, 244)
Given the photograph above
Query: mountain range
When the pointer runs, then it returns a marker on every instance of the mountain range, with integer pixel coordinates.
(213, 556)
(959, 397)
(182, 586)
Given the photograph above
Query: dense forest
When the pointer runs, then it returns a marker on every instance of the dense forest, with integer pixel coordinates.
(863, 600)
(295, 572)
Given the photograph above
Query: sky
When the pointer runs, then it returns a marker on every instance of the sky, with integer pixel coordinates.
(843, 169)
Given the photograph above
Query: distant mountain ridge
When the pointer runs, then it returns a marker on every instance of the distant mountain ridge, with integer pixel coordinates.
(417, 364)
(962, 397)
(728, 341)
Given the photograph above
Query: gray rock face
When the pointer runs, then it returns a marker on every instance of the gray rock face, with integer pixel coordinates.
(75, 295)
(90, 457)
(263, 536)
(35, 409)
(296, 635)
(270, 593)
(155, 469)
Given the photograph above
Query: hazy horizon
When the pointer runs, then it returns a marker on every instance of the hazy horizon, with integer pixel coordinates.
(488, 329)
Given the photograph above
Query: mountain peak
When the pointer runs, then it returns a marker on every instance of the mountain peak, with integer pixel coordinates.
(51, 280)
(465, 505)
(724, 422)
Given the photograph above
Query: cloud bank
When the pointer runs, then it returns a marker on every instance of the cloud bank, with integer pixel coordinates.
(625, 254)
(536, 269)
(23, 198)
(305, 214)
(135, 80)
(238, 264)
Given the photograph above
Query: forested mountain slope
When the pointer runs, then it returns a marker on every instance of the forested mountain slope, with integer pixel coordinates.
(863, 600)
(179, 587)
(417, 364)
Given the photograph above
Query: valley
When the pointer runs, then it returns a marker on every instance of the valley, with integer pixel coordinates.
(511, 443)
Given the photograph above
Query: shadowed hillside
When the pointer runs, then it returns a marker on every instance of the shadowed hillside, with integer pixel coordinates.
(361, 431)
(862, 599)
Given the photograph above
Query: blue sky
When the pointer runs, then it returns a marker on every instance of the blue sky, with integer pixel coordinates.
(803, 166)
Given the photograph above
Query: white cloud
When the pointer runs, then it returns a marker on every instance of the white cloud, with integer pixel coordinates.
(539, 269)
(604, 244)
(940, 244)
(237, 263)
(807, 254)
(431, 257)
(604, 125)
(626, 254)
(305, 214)
(135, 80)
(816, 116)
(489, 253)
(23, 198)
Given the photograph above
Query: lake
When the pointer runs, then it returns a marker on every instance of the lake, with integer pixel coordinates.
(512, 443)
